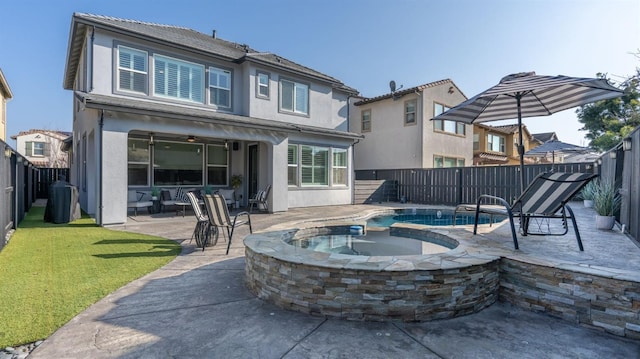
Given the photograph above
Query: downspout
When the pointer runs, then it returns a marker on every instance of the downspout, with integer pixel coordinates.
(100, 204)
(90, 60)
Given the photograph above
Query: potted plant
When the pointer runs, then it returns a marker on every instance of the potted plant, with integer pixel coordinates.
(606, 201)
(208, 189)
(587, 193)
(236, 182)
(155, 192)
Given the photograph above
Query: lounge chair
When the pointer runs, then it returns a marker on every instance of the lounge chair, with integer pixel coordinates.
(202, 221)
(219, 218)
(260, 199)
(545, 197)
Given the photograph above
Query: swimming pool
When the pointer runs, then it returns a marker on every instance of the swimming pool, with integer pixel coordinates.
(429, 217)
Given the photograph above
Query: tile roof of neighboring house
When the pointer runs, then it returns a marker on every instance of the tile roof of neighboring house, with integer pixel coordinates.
(544, 137)
(506, 129)
(196, 114)
(184, 38)
(4, 87)
(408, 91)
(61, 135)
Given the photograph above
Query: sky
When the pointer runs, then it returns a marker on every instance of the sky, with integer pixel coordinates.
(363, 43)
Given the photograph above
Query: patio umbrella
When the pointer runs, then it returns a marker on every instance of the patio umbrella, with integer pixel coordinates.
(526, 94)
(554, 147)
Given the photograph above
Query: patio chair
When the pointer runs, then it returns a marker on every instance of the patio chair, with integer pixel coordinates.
(545, 198)
(260, 199)
(219, 218)
(136, 199)
(202, 224)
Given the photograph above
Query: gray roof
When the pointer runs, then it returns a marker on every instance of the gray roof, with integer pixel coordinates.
(127, 105)
(185, 38)
(545, 137)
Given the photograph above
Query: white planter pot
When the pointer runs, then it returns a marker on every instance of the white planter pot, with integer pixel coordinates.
(605, 222)
(588, 203)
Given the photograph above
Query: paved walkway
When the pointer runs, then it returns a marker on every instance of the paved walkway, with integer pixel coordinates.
(198, 307)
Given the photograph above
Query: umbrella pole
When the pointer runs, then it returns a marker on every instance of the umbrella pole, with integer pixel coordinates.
(520, 144)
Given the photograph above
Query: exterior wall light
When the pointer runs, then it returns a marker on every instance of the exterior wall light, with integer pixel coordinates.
(626, 144)
(191, 139)
(7, 151)
(612, 155)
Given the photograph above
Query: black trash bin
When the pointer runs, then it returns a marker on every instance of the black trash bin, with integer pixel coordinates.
(62, 204)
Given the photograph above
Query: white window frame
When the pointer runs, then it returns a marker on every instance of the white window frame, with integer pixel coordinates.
(447, 126)
(293, 164)
(218, 72)
(41, 148)
(336, 169)
(132, 71)
(365, 119)
(192, 96)
(329, 169)
(491, 137)
(414, 112)
(260, 85)
(458, 161)
(296, 88)
(215, 165)
(131, 144)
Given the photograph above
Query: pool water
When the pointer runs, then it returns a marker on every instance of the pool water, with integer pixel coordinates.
(374, 243)
(430, 217)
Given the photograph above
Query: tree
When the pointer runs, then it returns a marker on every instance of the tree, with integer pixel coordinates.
(609, 121)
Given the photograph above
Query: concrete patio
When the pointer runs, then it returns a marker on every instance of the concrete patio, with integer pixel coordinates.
(197, 306)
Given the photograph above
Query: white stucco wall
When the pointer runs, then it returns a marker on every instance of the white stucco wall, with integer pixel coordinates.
(393, 145)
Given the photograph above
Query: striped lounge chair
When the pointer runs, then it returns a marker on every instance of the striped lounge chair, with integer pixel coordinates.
(545, 197)
(219, 218)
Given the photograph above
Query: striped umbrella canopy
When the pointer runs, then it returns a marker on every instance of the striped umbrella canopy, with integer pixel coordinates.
(526, 94)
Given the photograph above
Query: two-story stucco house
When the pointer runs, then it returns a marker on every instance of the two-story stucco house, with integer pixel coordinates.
(43, 147)
(399, 132)
(498, 145)
(166, 106)
(5, 95)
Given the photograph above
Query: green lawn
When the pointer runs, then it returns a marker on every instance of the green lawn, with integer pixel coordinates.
(51, 272)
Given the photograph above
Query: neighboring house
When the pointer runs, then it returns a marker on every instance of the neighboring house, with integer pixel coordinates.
(539, 138)
(165, 106)
(43, 147)
(5, 95)
(498, 145)
(398, 131)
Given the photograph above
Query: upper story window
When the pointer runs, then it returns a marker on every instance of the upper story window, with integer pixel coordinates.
(410, 112)
(262, 85)
(219, 87)
(294, 97)
(35, 149)
(132, 70)
(178, 79)
(476, 142)
(446, 125)
(495, 143)
(366, 121)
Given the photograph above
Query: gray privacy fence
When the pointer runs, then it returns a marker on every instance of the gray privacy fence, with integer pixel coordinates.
(452, 186)
(46, 177)
(17, 190)
(621, 165)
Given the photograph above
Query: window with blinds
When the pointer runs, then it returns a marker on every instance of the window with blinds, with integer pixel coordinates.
(178, 79)
(314, 165)
(292, 165)
(339, 168)
(132, 70)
